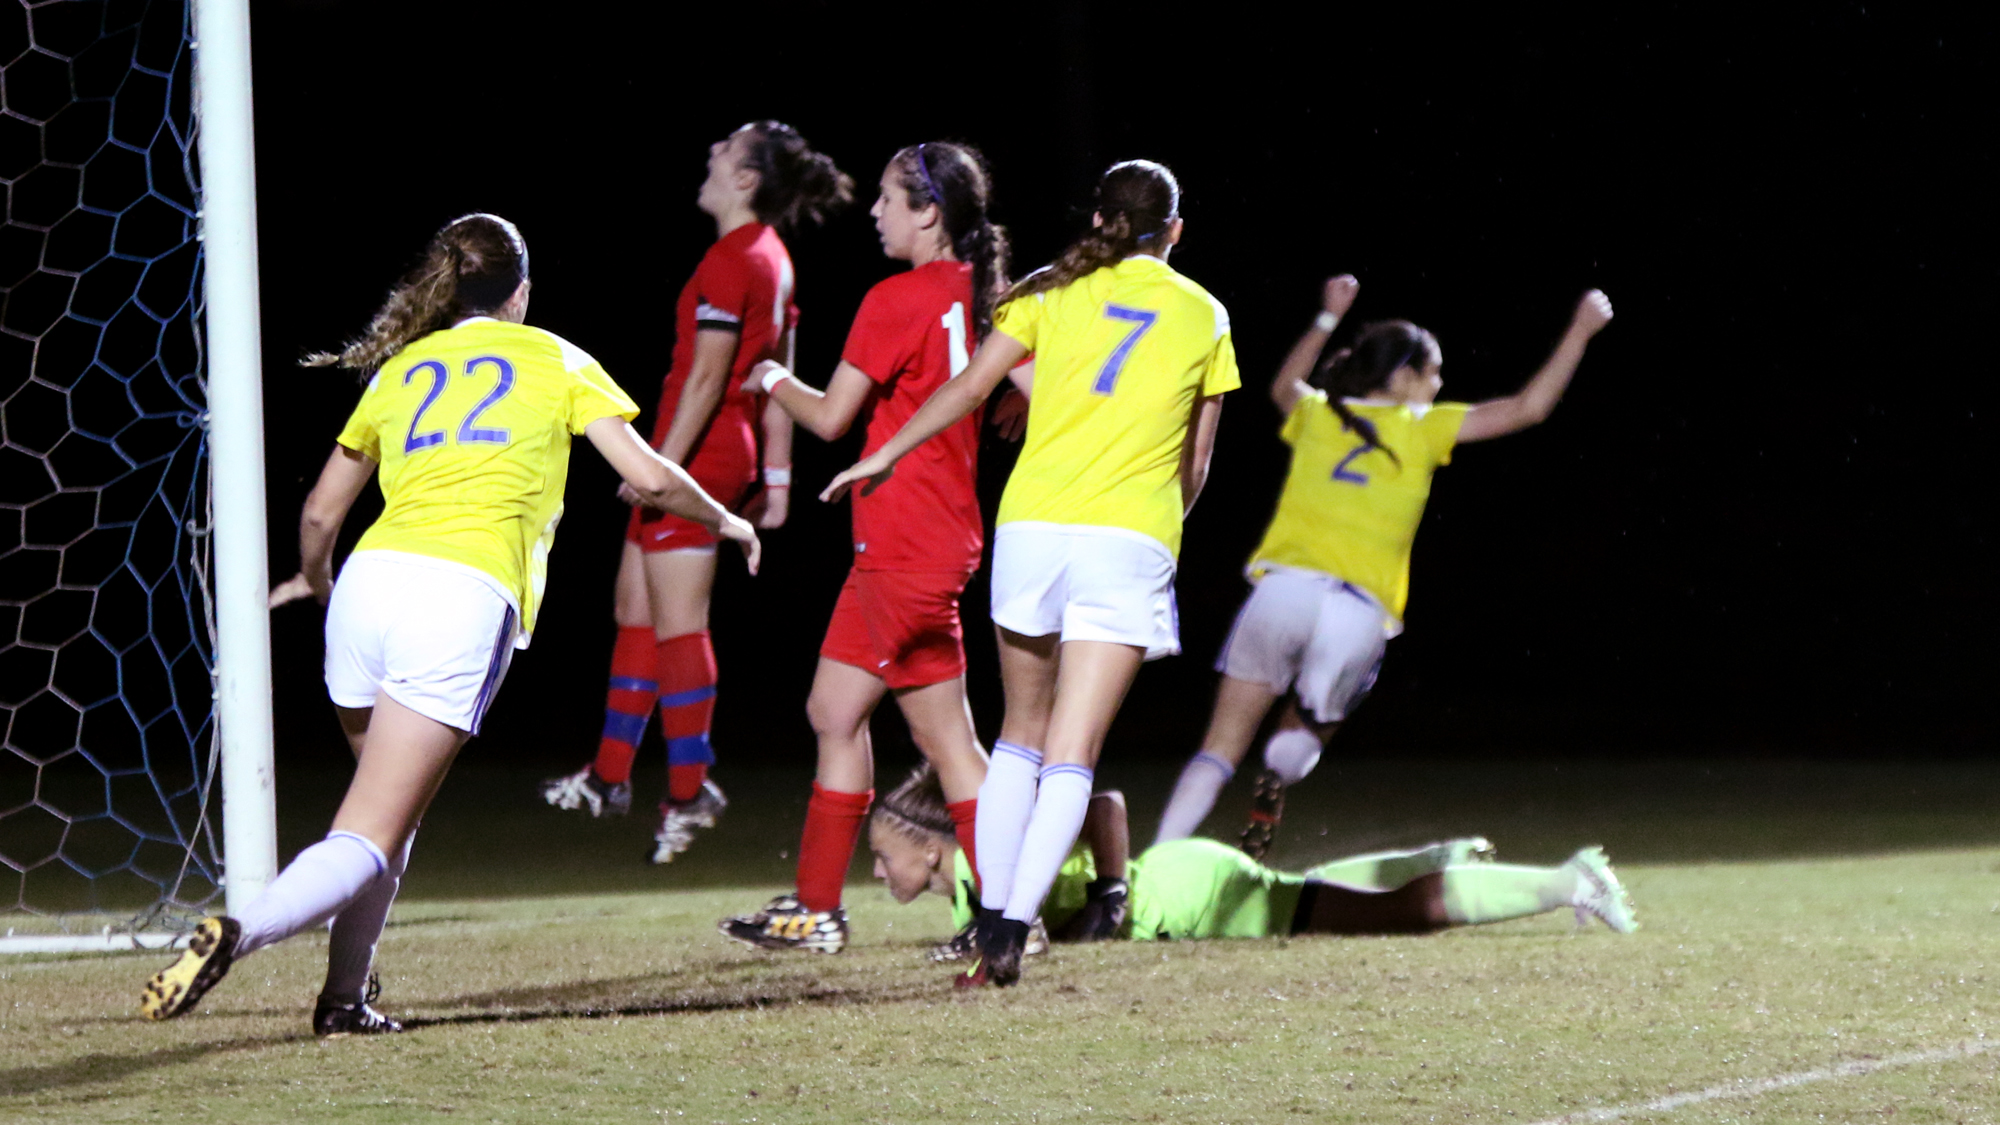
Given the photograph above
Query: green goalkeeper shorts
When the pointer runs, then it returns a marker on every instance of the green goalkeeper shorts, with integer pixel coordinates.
(1198, 888)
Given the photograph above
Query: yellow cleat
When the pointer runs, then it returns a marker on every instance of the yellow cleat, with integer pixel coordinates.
(176, 988)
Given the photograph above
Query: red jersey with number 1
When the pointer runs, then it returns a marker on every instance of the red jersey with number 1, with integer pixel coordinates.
(913, 335)
(743, 285)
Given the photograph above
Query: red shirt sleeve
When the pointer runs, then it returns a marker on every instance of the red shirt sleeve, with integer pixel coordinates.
(722, 289)
(882, 341)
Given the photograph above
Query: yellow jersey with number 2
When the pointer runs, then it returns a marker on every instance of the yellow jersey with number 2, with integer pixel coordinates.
(471, 426)
(1352, 511)
(1121, 356)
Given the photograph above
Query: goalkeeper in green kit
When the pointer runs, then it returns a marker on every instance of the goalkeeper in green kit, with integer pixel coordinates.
(1197, 888)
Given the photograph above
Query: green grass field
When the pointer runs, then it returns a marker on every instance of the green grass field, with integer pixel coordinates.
(1833, 927)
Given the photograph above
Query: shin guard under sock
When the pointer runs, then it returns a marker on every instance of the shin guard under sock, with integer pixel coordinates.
(628, 703)
(1006, 800)
(833, 824)
(1060, 806)
(686, 672)
(319, 883)
(350, 950)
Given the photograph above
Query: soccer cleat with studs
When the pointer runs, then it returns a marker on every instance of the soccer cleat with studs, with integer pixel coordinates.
(785, 923)
(331, 1020)
(176, 989)
(1467, 849)
(1599, 894)
(964, 944)
(1267, 808)
(589, 792)
(679, 821)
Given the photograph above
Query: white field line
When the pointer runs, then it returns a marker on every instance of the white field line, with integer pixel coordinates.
(1756, 1087)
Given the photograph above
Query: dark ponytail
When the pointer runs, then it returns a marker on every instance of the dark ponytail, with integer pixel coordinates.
(472, 266)
(1137, 200)
(917, 808)
(794, 184)
(956, 178)
(1366, 366)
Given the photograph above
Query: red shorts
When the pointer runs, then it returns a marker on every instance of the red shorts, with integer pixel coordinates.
(725, 469)
(899, 625)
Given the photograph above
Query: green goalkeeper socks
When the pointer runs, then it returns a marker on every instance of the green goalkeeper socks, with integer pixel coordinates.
(1494, 892)
(1383, 871)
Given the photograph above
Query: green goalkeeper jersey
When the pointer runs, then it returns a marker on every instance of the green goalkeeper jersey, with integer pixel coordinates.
(1193, 888)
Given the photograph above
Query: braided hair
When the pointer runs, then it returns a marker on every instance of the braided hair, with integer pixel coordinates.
(956, 178)
(916, 809)
(1137, 201)
(1364, 367)
(472, 266)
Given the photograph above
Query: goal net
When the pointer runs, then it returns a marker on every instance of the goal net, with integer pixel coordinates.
(106, 631)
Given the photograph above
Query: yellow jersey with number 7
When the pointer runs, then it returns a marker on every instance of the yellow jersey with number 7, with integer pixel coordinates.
(1350, 510)
(1121, 357)
(471, 426)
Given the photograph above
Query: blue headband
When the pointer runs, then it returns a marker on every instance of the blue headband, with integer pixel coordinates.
(937, 196)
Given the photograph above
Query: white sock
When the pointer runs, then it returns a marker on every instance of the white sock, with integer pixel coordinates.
(315, 886)
(1292, 754)
(1006, 798)
(1201, 781)
(1052, 831)
(350, 952)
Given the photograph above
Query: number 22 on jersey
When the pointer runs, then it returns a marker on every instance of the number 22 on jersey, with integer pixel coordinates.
(469, 431)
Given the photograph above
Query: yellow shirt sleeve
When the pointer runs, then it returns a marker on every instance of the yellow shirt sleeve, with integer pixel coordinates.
(1439, 428)
(593, 395)
(1295, 422)
(1020, 319)
(1221, 374)
(360, 433)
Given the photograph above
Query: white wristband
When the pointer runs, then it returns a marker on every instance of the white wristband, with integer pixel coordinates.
(773, 377)
(778, 478)
(1325, 321)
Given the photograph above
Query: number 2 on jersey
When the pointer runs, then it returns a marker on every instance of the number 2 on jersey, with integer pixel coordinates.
(1107, 379)
(1341, 471)
(468, 432)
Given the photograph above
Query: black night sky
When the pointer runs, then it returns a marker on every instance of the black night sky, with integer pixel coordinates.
(1760, 523)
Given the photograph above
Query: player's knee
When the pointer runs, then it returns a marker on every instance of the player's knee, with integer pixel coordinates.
(1292, 754)
(833, 717)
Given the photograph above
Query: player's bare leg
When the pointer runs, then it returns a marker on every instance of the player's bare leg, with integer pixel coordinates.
(1240, 707)
(678, 586)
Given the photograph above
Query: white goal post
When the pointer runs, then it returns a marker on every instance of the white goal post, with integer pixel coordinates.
(236, 442)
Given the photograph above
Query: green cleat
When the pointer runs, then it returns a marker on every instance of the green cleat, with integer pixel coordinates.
(1599, 893)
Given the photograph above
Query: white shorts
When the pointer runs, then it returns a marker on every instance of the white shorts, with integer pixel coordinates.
(1087, 583)
(1304, 629)
(427, 633)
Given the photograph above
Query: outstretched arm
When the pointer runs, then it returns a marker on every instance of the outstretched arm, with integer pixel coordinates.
(1536, 401)
(665, 486)
(948, 404)
(1335, 299)
(347, 472)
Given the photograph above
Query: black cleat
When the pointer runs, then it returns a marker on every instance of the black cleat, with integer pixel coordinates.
(1001, 957)
(331, 1020)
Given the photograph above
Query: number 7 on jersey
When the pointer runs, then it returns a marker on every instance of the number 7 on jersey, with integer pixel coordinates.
(1142, 322)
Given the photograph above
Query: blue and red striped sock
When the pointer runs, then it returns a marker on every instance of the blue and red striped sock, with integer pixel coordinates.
(686, 670)
(628, 703)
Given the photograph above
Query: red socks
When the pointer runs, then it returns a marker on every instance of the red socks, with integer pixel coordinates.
(963, 814)
(686, 671)
(833, 824)
(628, 703)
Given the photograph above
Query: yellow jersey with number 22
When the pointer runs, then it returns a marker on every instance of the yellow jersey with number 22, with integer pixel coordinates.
(1352, 511)
(1121, 356)
(471, 426)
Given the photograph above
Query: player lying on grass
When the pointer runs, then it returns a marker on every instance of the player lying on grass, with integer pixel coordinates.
(1200, 888)
(917, 538)
(735, 312)
(1333, 572)
(469, 413)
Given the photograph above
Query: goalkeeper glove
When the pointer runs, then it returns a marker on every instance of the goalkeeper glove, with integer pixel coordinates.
(1105, 909)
